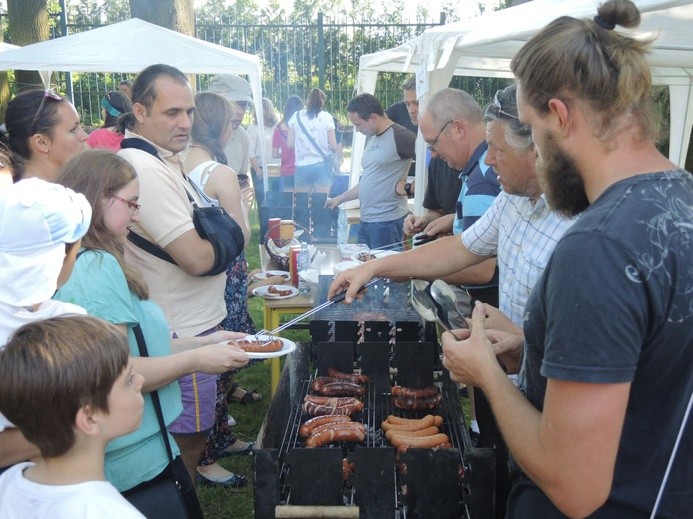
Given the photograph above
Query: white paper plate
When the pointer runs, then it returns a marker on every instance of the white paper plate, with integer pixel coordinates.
(288, 347)
(265, 294)
(262, 276)
(377, 253)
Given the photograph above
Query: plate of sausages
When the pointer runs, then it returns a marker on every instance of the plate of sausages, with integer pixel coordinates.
(275, 291)
(264, 346)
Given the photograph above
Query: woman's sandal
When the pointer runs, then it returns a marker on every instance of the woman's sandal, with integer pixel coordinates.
(249, 396)
(228, 452)
(233, 481)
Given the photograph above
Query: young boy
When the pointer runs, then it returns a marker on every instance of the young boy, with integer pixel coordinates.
(68, 385)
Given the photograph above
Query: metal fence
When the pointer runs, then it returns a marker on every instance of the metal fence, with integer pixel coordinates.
(295, 58)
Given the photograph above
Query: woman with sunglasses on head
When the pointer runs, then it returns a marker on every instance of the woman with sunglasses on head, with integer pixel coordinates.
(206, 168)
(107, 287)
(44, 131)
(114, 104)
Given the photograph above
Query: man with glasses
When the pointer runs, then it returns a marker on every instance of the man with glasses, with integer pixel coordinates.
(386, 158)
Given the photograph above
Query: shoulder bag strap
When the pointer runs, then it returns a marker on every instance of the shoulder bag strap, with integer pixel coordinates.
(310, 138)
(142, 345)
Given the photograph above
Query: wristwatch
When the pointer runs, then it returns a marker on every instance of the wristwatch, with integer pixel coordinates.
(407, 189)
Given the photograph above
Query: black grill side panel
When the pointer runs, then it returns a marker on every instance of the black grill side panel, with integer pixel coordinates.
(374, 482)
(266, 482)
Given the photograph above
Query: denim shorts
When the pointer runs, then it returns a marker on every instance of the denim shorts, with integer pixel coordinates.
(317, 174)
(382, 234)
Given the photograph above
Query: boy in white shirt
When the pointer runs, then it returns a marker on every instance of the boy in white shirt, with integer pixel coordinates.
(67, 383)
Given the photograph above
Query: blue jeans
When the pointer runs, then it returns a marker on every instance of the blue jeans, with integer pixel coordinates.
(382, 234)
(287, 182)
(314, 175)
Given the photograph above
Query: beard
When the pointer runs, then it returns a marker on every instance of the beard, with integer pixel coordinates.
(560, 179)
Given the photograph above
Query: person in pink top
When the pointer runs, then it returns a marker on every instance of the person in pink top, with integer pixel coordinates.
(280, 146)
(114, 104)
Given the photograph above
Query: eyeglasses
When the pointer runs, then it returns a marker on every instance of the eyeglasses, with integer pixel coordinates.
(134, 206)
(47, 94)
(499, 108)
(432, 145)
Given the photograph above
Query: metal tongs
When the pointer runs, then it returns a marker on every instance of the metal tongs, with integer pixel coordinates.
(269, 336)
(425, 302)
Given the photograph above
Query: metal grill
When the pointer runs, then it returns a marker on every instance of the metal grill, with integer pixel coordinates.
(456, 482)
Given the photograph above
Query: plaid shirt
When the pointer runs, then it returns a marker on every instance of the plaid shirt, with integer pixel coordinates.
(523, 237)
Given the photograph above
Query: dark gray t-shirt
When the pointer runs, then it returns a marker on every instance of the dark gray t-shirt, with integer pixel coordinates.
(615, 305)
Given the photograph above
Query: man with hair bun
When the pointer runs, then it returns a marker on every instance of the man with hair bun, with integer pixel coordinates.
(598, 425)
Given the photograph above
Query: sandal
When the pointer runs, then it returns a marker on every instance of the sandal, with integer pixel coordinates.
(249, 396)
(233, 481)
(228, 452)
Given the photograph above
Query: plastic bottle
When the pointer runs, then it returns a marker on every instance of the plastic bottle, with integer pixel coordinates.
(302, 264)
(342, 227)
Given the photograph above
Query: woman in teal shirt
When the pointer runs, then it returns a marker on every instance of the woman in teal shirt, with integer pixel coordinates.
(107, 287)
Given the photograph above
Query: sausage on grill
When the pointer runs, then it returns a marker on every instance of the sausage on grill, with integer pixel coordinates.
(321, 409)
(341, 388)
(428, 431)
(412, 425)
(330, 400)
(396, 420)
(407, 392)
(306, 428)
(336, 435)
(417, 404)
(349, 377)
(424, 442)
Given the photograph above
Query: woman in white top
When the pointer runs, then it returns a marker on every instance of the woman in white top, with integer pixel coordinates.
(312, 135)
(205, 164)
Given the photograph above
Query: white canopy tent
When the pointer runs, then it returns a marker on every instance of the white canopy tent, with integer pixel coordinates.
(131, 46)
(484, 46)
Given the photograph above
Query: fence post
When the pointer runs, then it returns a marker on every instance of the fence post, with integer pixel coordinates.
(63, 30)
(321, 53)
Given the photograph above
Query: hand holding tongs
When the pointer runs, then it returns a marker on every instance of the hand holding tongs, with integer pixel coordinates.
(335, 299)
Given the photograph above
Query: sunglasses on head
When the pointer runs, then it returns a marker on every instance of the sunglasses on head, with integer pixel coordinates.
(499, 107)
(47, 94)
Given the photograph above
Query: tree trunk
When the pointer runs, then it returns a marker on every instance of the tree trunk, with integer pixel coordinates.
(177, 15)
(28, 24)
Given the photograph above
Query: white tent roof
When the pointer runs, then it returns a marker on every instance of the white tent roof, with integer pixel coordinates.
(484, 46)
(131, 46)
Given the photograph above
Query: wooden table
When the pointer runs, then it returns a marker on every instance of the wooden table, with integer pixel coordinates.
(274, 309)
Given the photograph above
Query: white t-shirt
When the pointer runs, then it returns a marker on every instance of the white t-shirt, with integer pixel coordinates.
(24, 499)
(318, 126)
(13, 317)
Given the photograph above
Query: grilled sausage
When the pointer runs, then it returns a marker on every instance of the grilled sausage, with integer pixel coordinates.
(321, 409)
(317, 383)
(403, 448)
(330, 400)
(342, 388)
(407, 392)
(336, 435)
(259, 346)
(423, 442)
(350, 377)
(336, 425)
(412, 425)
(428, 431)
(396, 420)
(306, 428)
(347, 469)
(417, 404)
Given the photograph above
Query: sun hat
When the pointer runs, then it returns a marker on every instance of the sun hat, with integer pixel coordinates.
(232, 87)
(37, 219)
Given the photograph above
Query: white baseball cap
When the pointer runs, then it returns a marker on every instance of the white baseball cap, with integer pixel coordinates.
(232, 87)
(37, 220)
